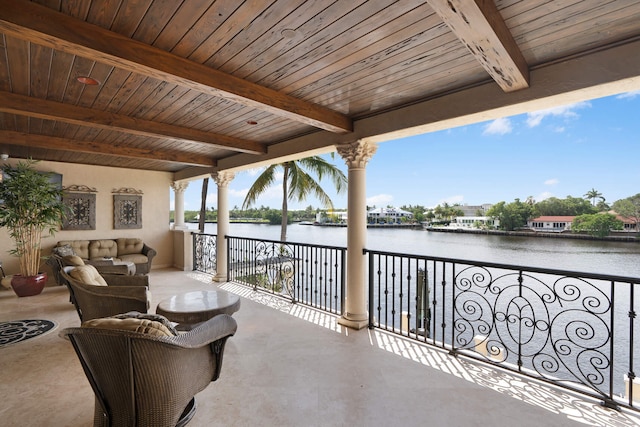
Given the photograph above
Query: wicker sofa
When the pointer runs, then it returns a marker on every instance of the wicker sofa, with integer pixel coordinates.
(123, 249)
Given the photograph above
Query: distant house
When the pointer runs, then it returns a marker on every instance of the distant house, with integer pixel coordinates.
(339, 216)
(387, 215)
(474, 222)
(473, 210)
(627, 223)
(551, 224)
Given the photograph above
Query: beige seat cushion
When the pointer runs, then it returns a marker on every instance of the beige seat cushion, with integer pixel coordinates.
(88, 274)
(73, 260)
(135, 258)
(128, 246)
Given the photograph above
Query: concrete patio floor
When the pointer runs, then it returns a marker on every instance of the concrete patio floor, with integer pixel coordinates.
(289, 365)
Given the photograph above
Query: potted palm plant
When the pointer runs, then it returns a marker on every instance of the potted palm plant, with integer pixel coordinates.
(29, 204)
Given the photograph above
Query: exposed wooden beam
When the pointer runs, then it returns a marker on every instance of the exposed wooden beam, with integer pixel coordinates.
(597, 74)
(479, 25)
(43, 26)
(51, 110)
(92, 147)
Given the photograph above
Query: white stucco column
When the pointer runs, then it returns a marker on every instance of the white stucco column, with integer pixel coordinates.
(356, 156)
(178, 212)
(222, 179)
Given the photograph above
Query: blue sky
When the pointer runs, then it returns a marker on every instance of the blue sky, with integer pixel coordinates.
(560, 152)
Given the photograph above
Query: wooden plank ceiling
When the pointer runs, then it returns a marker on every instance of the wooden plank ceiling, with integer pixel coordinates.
(187, 83)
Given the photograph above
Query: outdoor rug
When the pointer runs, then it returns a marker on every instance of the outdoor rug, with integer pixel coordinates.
(20, 330)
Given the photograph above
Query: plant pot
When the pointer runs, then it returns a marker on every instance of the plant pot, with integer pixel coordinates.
(26, 286)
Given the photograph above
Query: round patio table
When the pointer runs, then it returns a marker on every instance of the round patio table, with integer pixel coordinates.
(190, 308)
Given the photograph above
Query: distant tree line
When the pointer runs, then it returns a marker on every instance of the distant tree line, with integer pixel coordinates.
(261, 214)
(591, 212)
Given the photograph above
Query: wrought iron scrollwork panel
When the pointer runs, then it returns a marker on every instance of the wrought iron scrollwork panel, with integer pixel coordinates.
(204, 253)
(270, 266)
(557, 328)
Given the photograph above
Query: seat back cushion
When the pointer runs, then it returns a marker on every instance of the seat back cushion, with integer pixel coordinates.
(88, 274)
(79, 247)
(151, 324)
(72, 260)
(103, 248)
(128, 246)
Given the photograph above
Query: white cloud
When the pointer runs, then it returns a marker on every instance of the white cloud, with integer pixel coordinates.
(552, 181)
(542, 196)
(212, 199)
(566, 111)
(380, 200)
(238, 193)
(629, 95)
(500, 126)
(255, 171)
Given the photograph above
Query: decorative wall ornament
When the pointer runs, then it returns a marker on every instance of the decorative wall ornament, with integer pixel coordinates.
(80, 189)
(127, 211)
(124, 190)
(80, 201)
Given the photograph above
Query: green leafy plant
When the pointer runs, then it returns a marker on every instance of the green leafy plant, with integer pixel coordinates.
(29, 204)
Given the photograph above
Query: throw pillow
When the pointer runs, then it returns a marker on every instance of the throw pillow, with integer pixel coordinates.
(150, 324)
(64, 250)
(149, 316)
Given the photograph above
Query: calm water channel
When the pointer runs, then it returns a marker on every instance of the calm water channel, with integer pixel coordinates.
(614, 258)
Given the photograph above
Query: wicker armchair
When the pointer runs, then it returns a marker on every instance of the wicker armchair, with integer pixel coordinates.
(145, 380)
(105, 295)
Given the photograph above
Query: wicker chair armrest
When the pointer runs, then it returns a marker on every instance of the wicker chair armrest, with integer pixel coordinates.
(126, 280)
(219, 327)
(148, 251)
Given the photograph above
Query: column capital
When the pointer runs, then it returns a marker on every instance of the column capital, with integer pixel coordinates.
(179, 186)
(223, 178)
(358, 153)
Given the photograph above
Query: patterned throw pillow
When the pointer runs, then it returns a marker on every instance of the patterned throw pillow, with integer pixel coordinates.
(151, 324)
(63, 251)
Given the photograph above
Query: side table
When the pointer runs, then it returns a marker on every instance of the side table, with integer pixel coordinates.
(190, 308)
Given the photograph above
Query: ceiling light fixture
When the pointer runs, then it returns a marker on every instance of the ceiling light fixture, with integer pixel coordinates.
(288, 33)
(88, 81)
(252, 122)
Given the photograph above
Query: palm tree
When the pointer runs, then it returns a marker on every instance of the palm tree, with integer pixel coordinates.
(297, 184)
(592, 194)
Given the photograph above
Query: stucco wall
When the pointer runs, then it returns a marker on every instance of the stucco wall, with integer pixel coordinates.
(155, 187)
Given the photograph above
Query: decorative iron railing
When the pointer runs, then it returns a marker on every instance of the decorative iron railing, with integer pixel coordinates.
(204, 252)
(309, 274)
(575, 330)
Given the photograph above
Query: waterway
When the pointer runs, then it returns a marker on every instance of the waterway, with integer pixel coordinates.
(588, 256)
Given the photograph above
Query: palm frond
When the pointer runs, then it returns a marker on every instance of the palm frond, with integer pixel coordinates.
(262, 183)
